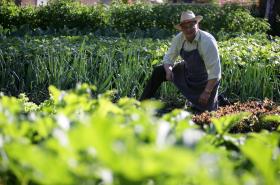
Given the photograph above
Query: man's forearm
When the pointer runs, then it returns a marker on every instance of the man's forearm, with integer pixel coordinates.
(168, 67)
(210, 85)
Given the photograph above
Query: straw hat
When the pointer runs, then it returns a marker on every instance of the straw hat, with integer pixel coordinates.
(188, 16)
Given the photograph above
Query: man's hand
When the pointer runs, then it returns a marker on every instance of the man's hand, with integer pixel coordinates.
(205, 95)
(168, 71)
(204, 98)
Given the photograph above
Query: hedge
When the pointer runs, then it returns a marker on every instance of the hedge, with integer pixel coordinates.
(129, 18)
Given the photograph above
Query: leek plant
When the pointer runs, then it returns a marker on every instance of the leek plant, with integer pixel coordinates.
(250, 65)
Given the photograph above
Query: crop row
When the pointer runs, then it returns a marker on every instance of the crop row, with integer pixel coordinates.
(250, 65)
(74, 138)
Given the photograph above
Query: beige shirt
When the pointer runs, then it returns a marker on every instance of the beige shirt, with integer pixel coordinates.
(207, 48)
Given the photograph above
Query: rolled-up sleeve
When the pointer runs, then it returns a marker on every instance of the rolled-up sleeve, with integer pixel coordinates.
(210, 55)
(174, 50)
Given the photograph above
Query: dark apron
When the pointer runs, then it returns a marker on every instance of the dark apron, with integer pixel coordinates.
(191, 77)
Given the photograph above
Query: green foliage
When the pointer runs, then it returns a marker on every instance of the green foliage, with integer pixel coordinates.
(59, 14)
(86, 140)
(238, 20)
(262, 147)
(124, 18)
(251, 66)
(65, 61)
(224, 124)
(9, 14)
(127, 18)
(271, 119)
(31, 64)
(274, 118)
(81, 137)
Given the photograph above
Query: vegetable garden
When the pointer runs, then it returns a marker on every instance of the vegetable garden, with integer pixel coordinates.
(70, 79)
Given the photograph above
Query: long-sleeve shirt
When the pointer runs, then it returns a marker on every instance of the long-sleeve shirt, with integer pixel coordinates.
(207, 48)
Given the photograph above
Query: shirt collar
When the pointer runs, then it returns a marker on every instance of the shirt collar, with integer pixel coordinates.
(196, 38)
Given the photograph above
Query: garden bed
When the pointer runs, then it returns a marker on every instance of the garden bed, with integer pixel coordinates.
(254, 122)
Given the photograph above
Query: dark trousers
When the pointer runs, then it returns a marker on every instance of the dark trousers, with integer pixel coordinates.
(158, 76)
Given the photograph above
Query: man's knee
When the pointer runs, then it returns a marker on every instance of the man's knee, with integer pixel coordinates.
(159, 71)
(178, 67)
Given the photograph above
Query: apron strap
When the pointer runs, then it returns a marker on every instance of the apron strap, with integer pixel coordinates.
(183, 44)
(198, 41)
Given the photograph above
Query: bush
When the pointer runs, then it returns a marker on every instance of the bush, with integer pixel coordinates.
(229, 19)
(59, 14)
(239, 20)
(9, 14)
(130, 18)
(124, 18)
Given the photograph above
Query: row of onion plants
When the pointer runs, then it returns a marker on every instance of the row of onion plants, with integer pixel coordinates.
(250, 65)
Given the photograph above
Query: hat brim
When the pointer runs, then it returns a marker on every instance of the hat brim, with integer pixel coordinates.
(197, 18)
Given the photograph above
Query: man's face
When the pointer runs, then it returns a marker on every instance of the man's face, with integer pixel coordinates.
(189, 29)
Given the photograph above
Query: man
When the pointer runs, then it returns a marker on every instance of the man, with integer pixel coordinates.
(199, 74)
